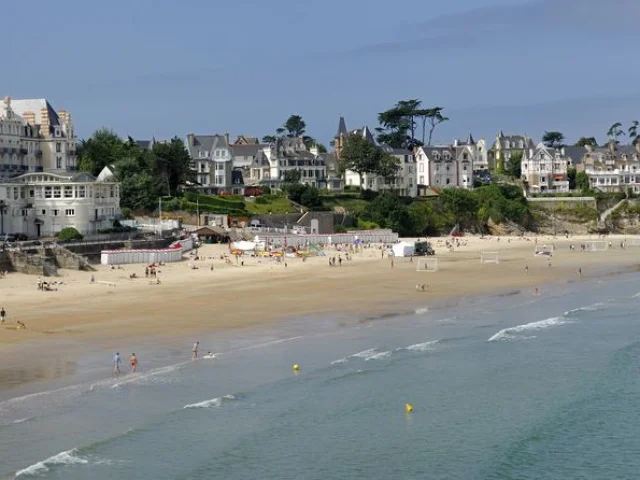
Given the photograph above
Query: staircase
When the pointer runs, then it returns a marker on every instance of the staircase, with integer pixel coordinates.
(602, 220)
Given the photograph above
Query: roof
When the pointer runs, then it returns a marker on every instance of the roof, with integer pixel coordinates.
(245, 140)
(211, 230)
(243, 150)
(364, 132)
(396, 151)
(342, 128)
(35, 105)
(205, 143)
(62, 176)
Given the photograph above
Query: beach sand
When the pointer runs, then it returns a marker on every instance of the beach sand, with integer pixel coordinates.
(101, 317)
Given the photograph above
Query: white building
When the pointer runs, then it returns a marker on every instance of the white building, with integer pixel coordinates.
(34, 137)
(43, 203)
(614, 168)
(445, 166)
(544, 169)
(288, 155)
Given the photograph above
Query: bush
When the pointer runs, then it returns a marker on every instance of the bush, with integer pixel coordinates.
(69, 233)
(339, 229)
(126, 213)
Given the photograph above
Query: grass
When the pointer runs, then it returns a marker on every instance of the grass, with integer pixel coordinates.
(350, 202)
(274, 205)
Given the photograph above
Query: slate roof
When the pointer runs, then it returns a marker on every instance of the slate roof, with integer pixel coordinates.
(205, 143)
(247, 150)
(35, 105)
(342, 128)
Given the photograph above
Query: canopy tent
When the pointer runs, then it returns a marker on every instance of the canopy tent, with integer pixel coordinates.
(403, 249)
(243, 246)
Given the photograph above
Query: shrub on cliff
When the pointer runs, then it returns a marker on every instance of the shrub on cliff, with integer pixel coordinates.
(69, 233)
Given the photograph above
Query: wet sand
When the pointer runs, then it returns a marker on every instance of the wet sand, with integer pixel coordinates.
(82, 316)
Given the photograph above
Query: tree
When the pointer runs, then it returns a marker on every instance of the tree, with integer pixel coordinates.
(614, 132)
(461, 203)
(553, 139)
(586, 141)
(269, 139)
(292, 176)
(434, 117)
(104, 148)
(571, 176)
(388, 211)
(69, 233)
(360, 156)
(173, 164)
(387, 167)
(514, 168)
(582, 181)
(634, 134)
(295, 126)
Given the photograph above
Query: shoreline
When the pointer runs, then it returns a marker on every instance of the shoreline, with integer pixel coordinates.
(65, 331)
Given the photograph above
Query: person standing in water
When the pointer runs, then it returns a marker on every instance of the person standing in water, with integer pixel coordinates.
(3, 314)
(195, 350)
(134, 363)
(117, 361)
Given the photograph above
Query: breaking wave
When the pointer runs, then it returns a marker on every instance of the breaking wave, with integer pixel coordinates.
(214, 402)
(511, 332)
(589, 308)
(422, 347)
(70, 457)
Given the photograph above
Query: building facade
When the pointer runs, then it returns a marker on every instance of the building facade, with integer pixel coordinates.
(212, 160)
(544, 169)
(43, 203)
(34, 137)
(507, 145)
(289, 155)
(445, 166)
(614, 168)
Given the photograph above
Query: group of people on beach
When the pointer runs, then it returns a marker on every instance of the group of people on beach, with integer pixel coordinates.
(133, 359)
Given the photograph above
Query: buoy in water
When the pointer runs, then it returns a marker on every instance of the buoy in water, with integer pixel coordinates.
(296, 367)
(408, 408)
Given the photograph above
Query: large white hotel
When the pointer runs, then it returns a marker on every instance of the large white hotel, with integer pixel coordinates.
(41, 191)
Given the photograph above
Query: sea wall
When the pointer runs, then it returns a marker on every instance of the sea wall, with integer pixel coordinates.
(32, 264)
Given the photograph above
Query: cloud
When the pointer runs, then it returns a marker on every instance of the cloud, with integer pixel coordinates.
(514, 23)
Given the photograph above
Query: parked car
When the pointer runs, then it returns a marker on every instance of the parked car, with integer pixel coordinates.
(21, 237)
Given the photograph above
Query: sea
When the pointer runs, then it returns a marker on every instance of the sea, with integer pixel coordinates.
(509, 386)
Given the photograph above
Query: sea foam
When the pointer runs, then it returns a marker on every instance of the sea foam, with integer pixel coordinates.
(145, 377)
(214, 402)
(70, 457)
(509, 333)
(378, 356)
(422, 347)
(589, 308)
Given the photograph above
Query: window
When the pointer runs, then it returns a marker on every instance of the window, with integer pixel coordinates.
(465, 156)
(219, 179)
(15, 193)
(68, 191)
(421, 168)
(448, 181)
(58, 162)
(219, 166)
(55, 212)
(58, 147)
(421, 179)
(24, 212)
(43, 212)
(81, 191)
(57, 192)
(111, 191)
(70, 212)
(32, 193)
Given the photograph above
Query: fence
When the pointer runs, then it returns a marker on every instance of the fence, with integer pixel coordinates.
(121, 257)
(364, 236)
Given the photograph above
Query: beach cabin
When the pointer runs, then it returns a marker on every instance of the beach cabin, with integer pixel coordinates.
(212, 234)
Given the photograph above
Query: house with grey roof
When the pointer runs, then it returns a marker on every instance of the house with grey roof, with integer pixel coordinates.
(613, 168)
(507, 145)
(212, 160)
(444, 166)
(291, 154)
(544, 169)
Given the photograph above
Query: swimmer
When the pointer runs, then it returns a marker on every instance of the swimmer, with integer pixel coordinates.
(134, 363)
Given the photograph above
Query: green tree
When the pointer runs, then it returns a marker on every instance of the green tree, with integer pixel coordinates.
(553, 139)
(104, 148)
(614, 132)
(310, 198)
(571, 176)
(360, 156)
(69, 233)
(461, 204)
(398, 124)
(295, 126)
(387, 167)
(585, 141)
(582, 181)
(434, 117)
(292, 176)
(173, 164)
(634, 134)
(388, 211)
(514, 168)
(269, 139)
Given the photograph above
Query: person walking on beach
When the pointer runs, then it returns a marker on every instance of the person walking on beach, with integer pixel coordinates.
(134, 363)
(117, 361)
(3, 314)
(194, 351)
(580, 272)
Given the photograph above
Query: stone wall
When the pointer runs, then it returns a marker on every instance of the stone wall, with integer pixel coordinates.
(32, 264)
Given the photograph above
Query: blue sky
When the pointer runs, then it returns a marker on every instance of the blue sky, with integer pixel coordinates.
(167, 68)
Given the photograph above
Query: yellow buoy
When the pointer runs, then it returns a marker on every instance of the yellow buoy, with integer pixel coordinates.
(408, 408)
(296, 367)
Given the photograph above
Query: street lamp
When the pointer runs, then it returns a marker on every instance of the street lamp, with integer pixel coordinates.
(3, 210)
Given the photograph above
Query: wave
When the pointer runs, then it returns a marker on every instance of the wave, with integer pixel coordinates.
(378, 356)
(420, 311)
(364, 353)
(23, 398)
(508, 333)
(214, 402)
(637, 295)
(267, 344)
(422, 347)
(70, 457)
(141, 377)
(589, 308)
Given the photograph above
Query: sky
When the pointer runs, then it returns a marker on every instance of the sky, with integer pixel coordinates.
(160, 68)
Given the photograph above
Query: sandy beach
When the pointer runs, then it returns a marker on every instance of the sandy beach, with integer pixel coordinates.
(117, 309)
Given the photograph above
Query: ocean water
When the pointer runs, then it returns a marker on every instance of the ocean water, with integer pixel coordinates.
(504, 387)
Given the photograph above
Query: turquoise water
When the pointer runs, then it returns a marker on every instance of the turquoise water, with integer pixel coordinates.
(503, 387)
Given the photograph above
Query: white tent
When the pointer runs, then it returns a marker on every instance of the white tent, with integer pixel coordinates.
(244, 246)
(403, 249)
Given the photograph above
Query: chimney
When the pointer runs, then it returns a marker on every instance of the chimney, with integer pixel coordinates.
(29, 117)
(455, 142)
(44, 122)
(226, 137)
